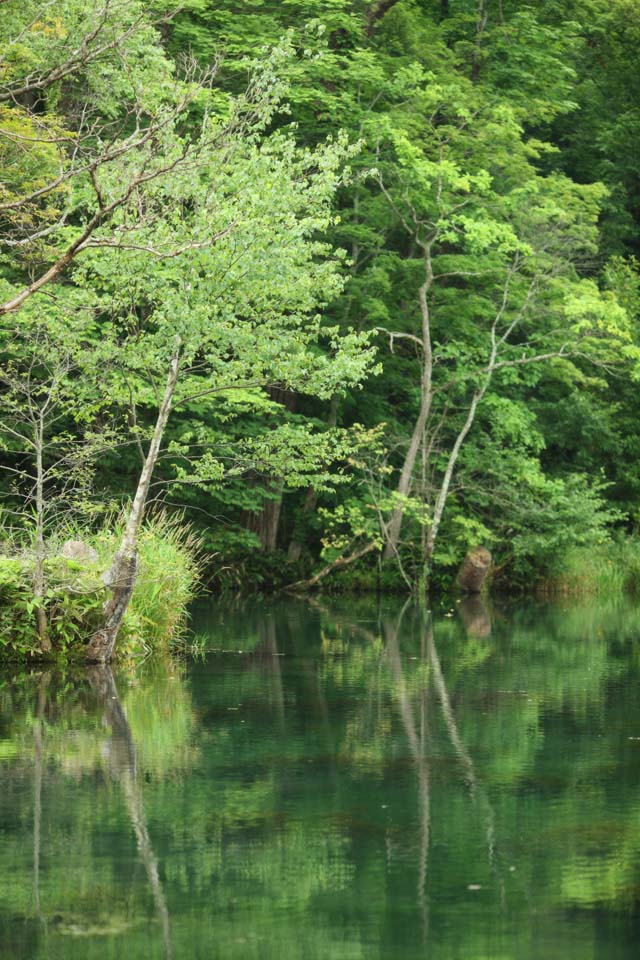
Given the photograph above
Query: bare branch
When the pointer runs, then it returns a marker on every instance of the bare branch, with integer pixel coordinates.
(88, 51)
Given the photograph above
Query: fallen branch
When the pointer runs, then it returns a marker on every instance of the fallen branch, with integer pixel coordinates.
(342, 561)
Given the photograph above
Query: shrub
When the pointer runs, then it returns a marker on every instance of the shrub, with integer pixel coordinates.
(608, 569)
(75, 594)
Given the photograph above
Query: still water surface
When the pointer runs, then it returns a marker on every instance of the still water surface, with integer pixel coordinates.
(332, 781)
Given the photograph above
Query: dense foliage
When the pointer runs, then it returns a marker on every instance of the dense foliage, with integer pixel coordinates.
(391, 245)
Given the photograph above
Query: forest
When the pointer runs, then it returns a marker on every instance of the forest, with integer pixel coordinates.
(312, 293)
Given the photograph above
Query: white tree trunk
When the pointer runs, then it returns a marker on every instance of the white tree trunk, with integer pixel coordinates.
(121, 576)
(443, 493)
(406, 474)
(39, 577)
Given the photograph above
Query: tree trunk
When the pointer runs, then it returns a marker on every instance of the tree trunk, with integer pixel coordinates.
(483, 14)
(39, 578)
(296, 545)
(448, 476)
(121, 576)
(271, 519)
(311, 499)
(334, 565)
(376, 12)
(265, 523)
(406, 476)
(404, 484)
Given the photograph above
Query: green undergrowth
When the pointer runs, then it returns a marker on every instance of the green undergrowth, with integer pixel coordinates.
(607, 569)
(169, 571)
(249, 571)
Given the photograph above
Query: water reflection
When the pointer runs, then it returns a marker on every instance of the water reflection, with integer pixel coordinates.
(120, 751)
(475, 615)
(333, 780)
(43, 684)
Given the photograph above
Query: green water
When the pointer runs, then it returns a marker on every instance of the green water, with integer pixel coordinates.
(332, 781)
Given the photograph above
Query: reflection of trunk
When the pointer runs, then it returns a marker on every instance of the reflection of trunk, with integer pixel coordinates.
(123, 764)
(447, 712)
(461, 751)
(39, 581)
(416, 745)
(45, 680)
(122, 575)
(475, 617)
(269, 643)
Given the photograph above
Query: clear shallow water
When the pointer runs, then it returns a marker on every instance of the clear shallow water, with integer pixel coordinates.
(332, 780)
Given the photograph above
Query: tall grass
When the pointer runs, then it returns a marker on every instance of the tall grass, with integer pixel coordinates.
(169, 572)
(608, 569)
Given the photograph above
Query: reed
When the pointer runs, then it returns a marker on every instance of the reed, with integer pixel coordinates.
(156, 618)
(609, 569)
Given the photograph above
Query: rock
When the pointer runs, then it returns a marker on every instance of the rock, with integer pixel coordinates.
(474, 570)
(79, 551)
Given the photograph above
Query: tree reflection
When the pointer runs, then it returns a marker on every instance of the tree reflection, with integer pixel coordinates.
(416, 737)
(38, 723)
(344, 780)
(123, 766)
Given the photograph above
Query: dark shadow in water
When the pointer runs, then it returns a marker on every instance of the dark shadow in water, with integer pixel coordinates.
(123, 765)
(268, 648)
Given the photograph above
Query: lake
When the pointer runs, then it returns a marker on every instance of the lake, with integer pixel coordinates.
(336, 779)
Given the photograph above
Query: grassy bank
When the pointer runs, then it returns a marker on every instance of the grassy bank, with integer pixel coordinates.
(607, 569)
(75, 593)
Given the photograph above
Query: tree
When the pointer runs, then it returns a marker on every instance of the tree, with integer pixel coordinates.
(210, 231)
(51, 429)
(493, 252)
(216, 316)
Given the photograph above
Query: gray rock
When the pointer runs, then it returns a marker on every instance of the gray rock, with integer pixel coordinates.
(79, 551)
